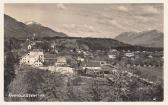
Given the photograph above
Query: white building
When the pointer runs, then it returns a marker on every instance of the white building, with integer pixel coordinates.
(113, 53)
(112, 56)
(53, 45)
(92, 65)
(129, 54)
(150, 56)
(62, 70)
(80, 59)
(34, 58)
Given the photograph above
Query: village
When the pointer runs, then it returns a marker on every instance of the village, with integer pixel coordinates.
(76, 61)
(81, 69)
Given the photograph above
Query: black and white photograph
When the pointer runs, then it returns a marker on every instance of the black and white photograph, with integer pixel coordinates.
(83, 52)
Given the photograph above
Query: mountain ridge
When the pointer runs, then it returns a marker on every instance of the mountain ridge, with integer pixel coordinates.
(150, 38)
(14, 28)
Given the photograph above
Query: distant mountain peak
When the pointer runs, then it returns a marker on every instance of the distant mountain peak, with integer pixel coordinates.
(17, 29)
(32, 23)
(149, 38)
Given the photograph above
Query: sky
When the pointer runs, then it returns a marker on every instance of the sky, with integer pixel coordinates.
(90, 20)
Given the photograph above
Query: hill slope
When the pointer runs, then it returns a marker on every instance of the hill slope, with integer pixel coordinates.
(14, 28)
(152, 38)
(96, 44)
(42, 31)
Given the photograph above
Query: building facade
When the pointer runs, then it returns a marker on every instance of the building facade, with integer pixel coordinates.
(33, 58)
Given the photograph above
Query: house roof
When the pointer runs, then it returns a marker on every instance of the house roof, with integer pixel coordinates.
(53, 56)
(37, 50)
(35, 53)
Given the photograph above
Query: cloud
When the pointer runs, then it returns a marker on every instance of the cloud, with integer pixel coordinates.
(61, 6)
(89, 28)
(152, 10)
(79, 27)
(69, 25)
(123, 8)
(146, 13)
(117, 24)
(141, 18)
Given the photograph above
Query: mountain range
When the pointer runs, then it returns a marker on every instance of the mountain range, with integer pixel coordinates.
(151, 38)
(16, 29)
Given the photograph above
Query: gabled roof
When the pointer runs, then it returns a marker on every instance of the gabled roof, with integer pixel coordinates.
(37, 50)
(33, 54)
(53, 56)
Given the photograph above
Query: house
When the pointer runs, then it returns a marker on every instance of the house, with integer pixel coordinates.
(111, 56)
(85, 53)
(138, 52)
(149, 66)
(92, 65)
(80, 59)
(34, 36)
(144, 65)
(53, 45)
(114, 50)
(129, 54)
(78, 51)
(150, 56)
(33, 58)
(144, 51)
(61, 61)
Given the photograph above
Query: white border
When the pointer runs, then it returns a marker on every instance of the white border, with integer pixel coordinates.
(85, 1)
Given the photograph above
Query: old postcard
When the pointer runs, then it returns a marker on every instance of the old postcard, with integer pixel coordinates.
(84, 52)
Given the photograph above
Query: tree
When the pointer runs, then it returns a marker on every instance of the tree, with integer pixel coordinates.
(53, 87)
(9, 72)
